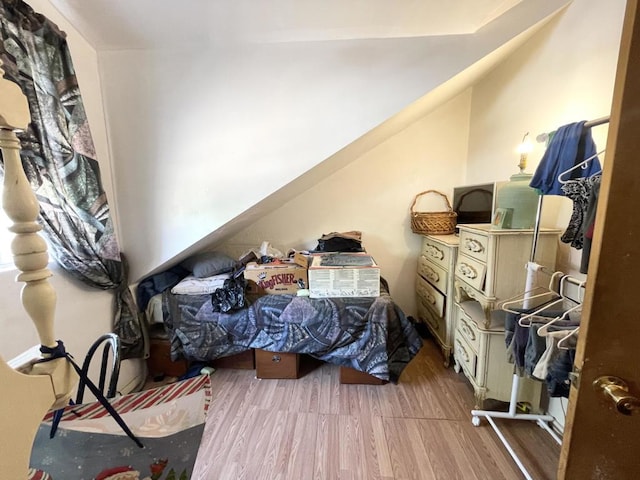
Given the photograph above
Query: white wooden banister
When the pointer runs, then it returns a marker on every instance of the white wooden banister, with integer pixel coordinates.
(26, 398)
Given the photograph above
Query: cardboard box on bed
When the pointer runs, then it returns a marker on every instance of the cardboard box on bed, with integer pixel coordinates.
(275, 278)
(343, 275)
(302, 259)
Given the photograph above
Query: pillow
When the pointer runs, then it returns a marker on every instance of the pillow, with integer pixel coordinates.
(199, 286)
(208, 264)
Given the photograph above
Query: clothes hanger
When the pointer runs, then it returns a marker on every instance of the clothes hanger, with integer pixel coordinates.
(582, 164)
(525, 320)
(521, 297)
(544, 329)
(522, 321)
(526, 296)
(562, 342)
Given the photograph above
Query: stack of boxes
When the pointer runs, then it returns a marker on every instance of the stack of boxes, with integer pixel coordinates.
(323, 275)
(276, 278)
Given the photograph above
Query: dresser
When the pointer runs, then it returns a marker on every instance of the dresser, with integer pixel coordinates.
(489, 269)
(435, 288)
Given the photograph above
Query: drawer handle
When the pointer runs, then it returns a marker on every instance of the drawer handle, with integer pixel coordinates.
(467, 330)
(429, 298)
(434, 252)
(425, 293)
(467, 271)
(473, 245)
(430, 273)
(462, 352)
(276, 359)
(433, 322)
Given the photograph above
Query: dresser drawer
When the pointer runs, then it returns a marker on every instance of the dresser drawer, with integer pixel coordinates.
(430, 295)
(471, 271)
(435, 252)
(437, 325)
(436, 275)
(473, 244)
(466, 328)
(465, 356)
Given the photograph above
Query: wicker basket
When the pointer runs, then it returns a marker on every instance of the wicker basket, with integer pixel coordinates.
(433, 223)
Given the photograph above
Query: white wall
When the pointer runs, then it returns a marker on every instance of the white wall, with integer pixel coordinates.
(564, 74)
(373, 194)
(83, 313)
(199, 139)
(200, 135)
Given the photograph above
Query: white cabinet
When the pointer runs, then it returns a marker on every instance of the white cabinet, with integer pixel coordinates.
(490, 268)
(434, 288)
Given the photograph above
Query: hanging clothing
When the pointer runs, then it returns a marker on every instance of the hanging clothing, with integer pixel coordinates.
(525, 347)
(515, 335)
(557, 379)
(580, 191)
(537, 344)
(570, 145)
(550, 354)
(589, 223)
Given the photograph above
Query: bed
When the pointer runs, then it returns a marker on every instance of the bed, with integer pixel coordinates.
(371, 335)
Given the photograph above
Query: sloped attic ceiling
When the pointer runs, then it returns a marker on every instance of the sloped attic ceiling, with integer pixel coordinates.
(148, 24)
(218, 111)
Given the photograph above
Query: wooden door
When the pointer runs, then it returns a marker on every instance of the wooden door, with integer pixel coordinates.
(600, 442)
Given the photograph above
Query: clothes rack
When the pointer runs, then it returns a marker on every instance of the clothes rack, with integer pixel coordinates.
(597, 121)
(544, 136)
(542, 420)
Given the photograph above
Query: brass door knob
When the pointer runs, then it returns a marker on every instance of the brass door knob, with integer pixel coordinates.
(617, 390)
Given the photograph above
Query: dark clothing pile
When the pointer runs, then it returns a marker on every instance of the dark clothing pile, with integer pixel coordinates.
(340, 242)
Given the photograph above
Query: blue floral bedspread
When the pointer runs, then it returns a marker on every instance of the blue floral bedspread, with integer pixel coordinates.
(369, 334)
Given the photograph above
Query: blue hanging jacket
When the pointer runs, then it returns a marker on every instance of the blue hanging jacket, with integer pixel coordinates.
(570, 145)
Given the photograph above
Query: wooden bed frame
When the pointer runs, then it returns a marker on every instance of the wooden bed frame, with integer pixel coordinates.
(26, 395)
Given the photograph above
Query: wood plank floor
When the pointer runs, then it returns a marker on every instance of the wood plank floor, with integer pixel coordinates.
(315, 428)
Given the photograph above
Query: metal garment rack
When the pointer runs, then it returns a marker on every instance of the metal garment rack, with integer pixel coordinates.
(542, 420)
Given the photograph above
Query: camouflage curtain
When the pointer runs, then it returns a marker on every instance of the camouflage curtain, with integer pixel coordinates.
(59, 159)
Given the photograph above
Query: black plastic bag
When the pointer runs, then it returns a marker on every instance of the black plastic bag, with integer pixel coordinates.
(230, 296)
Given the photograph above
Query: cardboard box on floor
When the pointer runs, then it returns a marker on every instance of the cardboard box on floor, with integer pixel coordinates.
(275, 278)
(343, 275)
